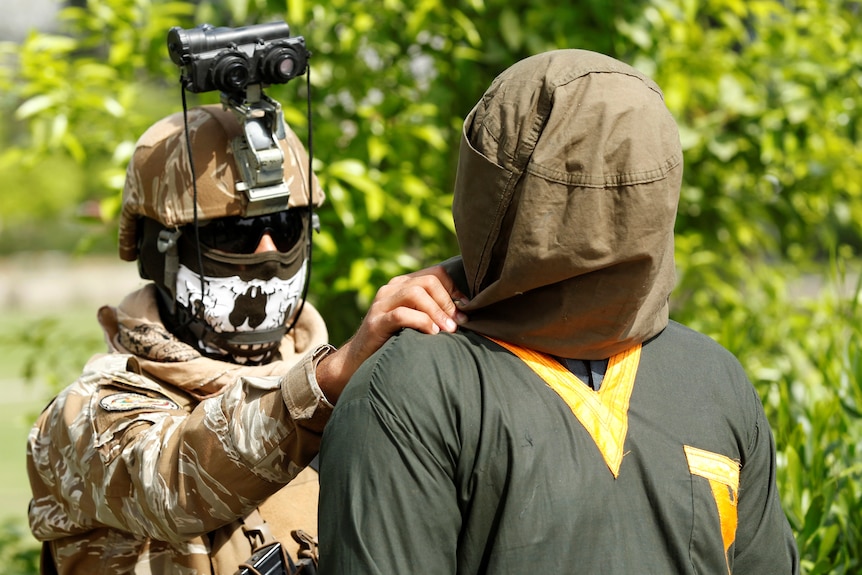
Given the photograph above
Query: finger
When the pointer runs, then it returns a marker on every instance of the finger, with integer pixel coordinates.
(405, 317)
(426, 294)
(445, 280)
(438, 276)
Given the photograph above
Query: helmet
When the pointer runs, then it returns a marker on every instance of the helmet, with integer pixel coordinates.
(159, 178)
(244, 301)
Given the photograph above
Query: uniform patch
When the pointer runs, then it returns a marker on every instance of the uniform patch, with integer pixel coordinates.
(129, 401)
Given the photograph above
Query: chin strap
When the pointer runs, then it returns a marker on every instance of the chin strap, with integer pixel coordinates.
(239, 344)
(168, 245)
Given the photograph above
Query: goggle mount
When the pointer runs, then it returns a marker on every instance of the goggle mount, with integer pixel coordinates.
(258, 156)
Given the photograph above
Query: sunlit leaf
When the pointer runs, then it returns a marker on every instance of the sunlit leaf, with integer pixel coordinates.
(34, 106)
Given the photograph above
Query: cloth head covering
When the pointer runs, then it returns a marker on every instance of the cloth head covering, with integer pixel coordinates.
(565, 200)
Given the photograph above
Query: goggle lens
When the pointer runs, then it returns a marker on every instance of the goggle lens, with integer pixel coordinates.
(240, 235)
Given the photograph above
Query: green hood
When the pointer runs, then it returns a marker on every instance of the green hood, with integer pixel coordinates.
(565, 200)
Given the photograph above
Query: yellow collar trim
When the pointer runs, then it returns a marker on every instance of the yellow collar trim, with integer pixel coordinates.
(603, 413)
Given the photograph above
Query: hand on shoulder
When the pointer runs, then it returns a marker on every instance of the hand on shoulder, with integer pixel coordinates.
(424, 300)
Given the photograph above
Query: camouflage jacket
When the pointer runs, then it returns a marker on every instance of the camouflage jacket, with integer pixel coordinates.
(151, 460)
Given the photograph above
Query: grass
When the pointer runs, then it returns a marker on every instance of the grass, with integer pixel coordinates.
(14, 425)
(68, 338)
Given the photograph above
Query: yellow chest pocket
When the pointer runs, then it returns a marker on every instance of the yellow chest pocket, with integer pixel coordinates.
(722, 473)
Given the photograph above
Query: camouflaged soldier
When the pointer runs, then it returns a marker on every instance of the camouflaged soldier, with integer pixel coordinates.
(171, 453)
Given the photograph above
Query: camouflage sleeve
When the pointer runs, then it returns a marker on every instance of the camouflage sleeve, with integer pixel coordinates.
(118, 450)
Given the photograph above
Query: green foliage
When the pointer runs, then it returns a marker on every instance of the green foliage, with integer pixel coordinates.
(83, 96)
(816, 404)
(48, 349)
(766, 93)
(17, 557)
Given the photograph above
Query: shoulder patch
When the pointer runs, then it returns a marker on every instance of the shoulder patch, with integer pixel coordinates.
(129, 401)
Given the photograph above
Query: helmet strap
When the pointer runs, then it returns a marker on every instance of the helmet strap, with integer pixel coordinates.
(313, 219)
(167, 244)
(239, 344)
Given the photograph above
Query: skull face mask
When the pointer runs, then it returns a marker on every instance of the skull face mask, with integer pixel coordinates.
(241, 304)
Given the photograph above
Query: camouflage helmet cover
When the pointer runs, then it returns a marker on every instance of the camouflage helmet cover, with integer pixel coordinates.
(159, 180)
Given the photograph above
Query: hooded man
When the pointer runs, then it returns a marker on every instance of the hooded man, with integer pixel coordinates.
(570, 426)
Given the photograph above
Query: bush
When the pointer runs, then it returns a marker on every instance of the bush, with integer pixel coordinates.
(16, 556)
(765, 93)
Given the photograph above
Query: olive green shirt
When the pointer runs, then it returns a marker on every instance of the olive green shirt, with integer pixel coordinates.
(449, 454)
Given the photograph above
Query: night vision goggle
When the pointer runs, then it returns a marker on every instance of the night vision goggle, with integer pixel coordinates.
(240, 62)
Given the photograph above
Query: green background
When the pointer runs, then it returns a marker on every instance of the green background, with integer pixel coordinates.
(767, 94)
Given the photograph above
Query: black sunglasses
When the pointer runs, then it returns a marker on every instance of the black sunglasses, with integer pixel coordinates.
(242, 235)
